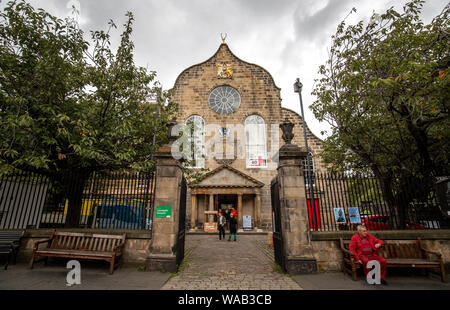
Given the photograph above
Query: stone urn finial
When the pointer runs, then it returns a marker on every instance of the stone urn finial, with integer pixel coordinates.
(287, 127)
(170, 124)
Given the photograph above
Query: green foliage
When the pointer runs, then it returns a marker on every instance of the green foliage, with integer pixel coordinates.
(363, 190)
(70, 104)
(385, 91)
(277, 268)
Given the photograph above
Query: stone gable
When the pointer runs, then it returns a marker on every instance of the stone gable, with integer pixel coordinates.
(259, 95)
(228, 177)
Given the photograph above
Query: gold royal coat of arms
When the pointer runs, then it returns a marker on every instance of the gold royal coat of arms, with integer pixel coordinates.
(224, 70)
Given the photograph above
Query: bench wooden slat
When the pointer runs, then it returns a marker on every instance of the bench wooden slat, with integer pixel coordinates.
(88, 242)
(103, 244)
(66, 242)
(406, 253)
(402, 250)
(57, 240)
(406, 250)
(389, 252)
(410, 261)
(412, 252)
(77, 243)
(95, 246)
(83, 242)
(415, 251)
(72, 241)
(75, 253)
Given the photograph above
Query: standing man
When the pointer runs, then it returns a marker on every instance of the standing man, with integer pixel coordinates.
(233, 227)
(227, 216)
(365, 248)
(221, 226)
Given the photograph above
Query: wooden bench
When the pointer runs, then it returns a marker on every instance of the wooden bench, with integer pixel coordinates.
(81, 245)
(409, 254)
(10, 244)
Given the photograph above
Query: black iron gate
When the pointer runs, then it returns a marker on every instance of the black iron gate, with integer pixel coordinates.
(280, 255)
(181, 223)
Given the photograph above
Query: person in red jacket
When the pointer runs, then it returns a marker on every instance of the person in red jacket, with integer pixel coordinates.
(234, 211)
(365, 248)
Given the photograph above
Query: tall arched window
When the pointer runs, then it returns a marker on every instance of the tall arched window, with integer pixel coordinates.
(197, 141)
(255, 132)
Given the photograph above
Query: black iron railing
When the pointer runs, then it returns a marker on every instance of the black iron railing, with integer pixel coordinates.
(343, 201)
(115, 200)
(279, 252)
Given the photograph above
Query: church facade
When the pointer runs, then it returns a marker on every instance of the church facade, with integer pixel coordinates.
(234, 110)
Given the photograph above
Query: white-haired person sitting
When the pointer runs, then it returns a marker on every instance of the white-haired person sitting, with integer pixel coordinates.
(365, 248)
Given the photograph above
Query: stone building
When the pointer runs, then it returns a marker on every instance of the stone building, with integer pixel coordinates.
(235, 108)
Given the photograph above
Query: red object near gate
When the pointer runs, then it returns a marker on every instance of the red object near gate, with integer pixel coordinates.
(316, 213)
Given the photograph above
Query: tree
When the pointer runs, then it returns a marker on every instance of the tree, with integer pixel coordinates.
(385, 92)
(63, 108)
(68, 105)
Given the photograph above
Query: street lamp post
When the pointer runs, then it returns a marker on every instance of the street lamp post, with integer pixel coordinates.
(298, 89)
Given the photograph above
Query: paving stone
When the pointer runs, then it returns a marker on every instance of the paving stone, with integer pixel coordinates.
(242, 265)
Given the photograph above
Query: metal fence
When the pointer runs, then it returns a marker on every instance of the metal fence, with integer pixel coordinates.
(115, 200)
(342, 201)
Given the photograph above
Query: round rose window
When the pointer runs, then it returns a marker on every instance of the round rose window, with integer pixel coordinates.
(224, 100)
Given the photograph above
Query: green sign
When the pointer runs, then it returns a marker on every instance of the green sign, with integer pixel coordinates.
(163, 211)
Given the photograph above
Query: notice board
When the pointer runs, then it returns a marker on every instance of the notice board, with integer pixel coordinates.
(163, 211)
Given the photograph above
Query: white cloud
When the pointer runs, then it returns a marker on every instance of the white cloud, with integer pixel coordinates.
(288, 38)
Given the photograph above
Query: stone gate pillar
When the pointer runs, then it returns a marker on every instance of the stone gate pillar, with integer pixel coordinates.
(293, 207)
(165, 230)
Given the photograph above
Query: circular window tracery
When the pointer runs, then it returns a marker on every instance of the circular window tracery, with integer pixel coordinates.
(224, 100)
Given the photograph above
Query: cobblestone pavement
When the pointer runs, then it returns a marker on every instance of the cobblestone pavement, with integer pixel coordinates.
(246, 264)
(94, 276)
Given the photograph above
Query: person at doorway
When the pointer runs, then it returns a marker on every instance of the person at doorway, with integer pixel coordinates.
(234, 211)
(365, 248)
(226, 213)
(221, 226)
(233, 227)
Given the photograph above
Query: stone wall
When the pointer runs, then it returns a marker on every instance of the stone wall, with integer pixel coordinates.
(329, 256)
(135, 252)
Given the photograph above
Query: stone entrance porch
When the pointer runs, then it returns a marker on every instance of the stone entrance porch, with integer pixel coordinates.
(225, 187)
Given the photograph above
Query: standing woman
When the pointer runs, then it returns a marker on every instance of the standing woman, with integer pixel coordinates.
(233, 227)
(221, 226)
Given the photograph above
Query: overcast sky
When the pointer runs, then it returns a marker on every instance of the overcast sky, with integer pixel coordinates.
(288, 38)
